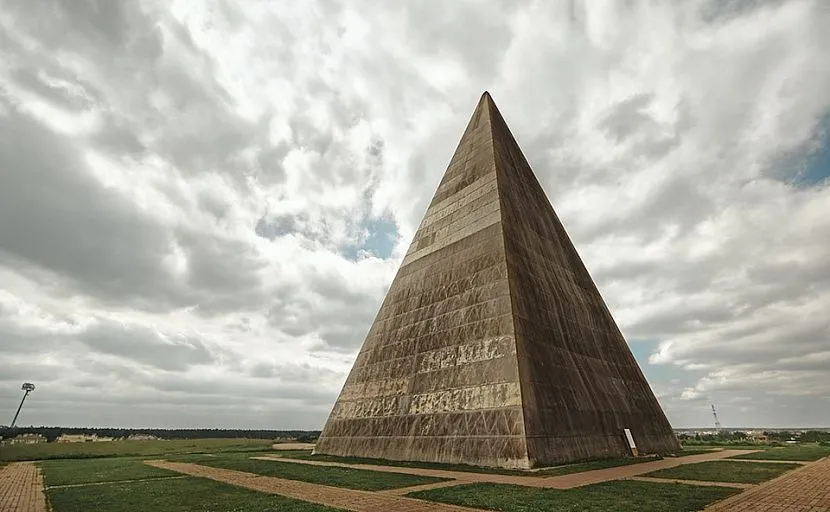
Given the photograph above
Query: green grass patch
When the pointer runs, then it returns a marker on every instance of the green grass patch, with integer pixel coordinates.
(323, 475)
(84, 471)
(554, 471)
(803, 452)
(616, 496)
(181, 495)
(726, 471)
(44, 451)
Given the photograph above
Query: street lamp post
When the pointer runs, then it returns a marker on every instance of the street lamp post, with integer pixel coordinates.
(27, 387)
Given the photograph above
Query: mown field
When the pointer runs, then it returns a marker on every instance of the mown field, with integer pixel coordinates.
(93, 477)
(801, 452)
(185, 494)
(43, 451)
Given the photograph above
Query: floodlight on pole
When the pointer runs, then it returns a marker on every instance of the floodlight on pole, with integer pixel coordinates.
(27, 387)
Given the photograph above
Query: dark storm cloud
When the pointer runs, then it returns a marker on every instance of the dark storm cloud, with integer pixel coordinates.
(56, 216)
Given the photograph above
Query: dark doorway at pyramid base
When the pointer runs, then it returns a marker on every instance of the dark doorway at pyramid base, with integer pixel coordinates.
(508, 452)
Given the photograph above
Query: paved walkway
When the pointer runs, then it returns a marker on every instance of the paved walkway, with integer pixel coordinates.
(21, 488)
(806, 489)
(348, 499)
(553, 482)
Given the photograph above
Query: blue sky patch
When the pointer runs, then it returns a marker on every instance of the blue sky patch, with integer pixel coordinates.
(818, 165)
(379, 242)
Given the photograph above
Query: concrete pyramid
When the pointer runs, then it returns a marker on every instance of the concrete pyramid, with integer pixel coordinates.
(493, 345)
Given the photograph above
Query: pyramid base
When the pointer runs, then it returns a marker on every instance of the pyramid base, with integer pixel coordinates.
(503, 452)
(499, 452)
(554, 451)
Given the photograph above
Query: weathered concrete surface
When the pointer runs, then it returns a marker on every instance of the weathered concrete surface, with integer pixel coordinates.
(493, 346)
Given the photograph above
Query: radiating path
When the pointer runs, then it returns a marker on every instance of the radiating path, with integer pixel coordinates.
(554, 482)
(806, 489)
(348, 499)
(21, 488)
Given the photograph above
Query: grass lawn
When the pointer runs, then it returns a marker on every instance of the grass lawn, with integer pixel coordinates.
(616, 496)
(559, 470)
(42, 451)
(333, 476)
(726, 471)
(181, 495)
(803, 452)
(83, 471)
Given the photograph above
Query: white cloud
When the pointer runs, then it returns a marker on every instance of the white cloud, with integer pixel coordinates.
(204, 175)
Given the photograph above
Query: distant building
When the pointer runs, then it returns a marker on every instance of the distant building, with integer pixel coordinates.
(81, 438)
(71, 438)
(26, 439)
(141, 437)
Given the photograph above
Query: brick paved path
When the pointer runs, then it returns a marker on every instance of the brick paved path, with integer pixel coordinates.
(21, 488)
(554, 482)
(806, 489)
(348, 499)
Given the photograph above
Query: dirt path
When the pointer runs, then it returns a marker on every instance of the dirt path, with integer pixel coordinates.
(21, 488)
(704, 483)
(554, 482)
(806, 489)
(293, 446)
(348, 499)
(110, 482)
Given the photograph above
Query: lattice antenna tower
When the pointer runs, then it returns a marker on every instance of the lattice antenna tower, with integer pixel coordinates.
(717, 421)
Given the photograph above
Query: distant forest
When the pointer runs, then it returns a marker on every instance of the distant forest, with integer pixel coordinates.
(52, 433)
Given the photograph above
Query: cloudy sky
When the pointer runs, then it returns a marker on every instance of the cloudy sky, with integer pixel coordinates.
(202, 203)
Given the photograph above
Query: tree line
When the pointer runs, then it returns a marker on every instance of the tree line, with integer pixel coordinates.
(52, 433)
(737, 436)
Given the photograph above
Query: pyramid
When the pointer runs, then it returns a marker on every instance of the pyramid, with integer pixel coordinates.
(493, 345)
